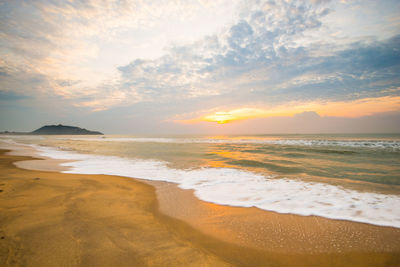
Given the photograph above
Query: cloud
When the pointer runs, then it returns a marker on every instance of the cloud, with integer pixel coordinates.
(209, 67)
(272, 53)
(257, 60)
(10, 96)
(65, 40)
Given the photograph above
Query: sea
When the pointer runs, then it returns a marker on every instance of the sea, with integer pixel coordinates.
(352, 177)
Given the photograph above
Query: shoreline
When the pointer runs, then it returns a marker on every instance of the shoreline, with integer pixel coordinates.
(303, 196)
(272, 233)
(45, 163)
(53, 219)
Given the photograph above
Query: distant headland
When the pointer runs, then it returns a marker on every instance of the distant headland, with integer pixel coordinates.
(56, 130)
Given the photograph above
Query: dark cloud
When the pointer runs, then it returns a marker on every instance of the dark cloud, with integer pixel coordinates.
(11, 96)
(67, 83)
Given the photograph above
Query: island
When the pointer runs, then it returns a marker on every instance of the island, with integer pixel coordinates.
(56, 130)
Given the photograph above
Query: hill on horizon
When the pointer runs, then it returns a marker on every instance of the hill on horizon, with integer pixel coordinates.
(64, 130)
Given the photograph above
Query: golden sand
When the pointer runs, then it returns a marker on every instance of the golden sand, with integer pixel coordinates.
(271, 231)
(54, 219)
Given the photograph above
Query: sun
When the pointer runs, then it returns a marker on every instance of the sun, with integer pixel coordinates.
(220, 117)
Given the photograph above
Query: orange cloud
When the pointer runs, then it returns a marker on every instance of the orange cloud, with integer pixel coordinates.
(347, 109)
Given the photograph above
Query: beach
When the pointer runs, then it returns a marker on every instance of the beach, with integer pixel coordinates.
(200, 133)
(50, 218)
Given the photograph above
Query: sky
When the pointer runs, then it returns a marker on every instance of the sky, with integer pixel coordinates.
(201, 66)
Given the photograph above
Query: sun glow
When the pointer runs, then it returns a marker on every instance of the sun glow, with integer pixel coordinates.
(220, 117)
(347, 109)
(223, 117)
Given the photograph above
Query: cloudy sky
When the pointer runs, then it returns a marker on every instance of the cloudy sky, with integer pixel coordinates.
(201, 66)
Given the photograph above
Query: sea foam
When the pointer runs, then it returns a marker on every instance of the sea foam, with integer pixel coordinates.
(374, 144)
(234, 187)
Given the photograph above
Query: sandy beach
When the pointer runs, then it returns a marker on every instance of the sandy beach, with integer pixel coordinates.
(49, 218)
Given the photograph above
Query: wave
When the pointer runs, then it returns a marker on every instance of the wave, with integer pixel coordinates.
(236, 187)
(374, 144)
(278, 167)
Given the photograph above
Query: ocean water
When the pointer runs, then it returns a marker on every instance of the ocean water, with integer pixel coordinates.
(345, 177)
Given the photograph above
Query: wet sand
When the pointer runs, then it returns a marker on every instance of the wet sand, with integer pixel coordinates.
(54, 219)
(274, 232)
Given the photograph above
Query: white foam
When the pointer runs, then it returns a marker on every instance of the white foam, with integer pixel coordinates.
(21, 137)
(228, 186)
(376, 144)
